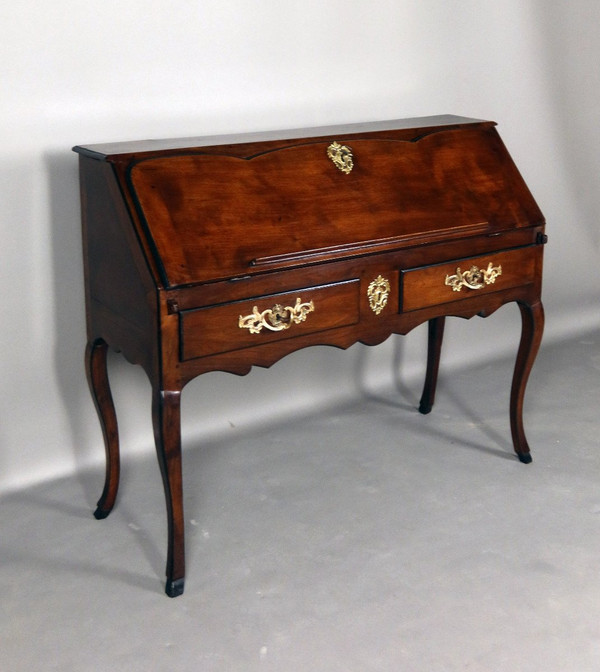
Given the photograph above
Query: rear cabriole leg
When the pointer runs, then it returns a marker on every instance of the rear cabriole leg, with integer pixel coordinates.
(434, 349)
(97, 376)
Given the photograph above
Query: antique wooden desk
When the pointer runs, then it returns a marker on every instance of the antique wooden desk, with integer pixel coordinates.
(224, 253)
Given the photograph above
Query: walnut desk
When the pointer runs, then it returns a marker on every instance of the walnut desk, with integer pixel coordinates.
(225, 253)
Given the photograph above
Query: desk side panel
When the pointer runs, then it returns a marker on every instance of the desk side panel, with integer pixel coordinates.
(121, 294)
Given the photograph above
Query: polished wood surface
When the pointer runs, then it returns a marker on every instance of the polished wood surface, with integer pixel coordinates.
(290, 204)
(423, 287)
(189, 243)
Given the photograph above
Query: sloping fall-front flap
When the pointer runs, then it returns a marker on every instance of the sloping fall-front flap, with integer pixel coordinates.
(208, 215)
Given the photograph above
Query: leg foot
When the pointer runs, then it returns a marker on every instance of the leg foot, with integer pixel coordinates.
(97, 376)
(434, 349)
(166, 418)
(174, 588)
(532, 317)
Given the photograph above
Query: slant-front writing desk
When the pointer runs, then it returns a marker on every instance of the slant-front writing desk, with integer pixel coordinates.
(230, 252)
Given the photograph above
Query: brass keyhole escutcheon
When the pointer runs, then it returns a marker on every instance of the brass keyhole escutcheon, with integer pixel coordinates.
(378, 293)
(341, 155)
(279, 317)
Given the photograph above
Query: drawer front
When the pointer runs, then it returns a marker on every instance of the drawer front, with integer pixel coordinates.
(266, 319)
(456, 280)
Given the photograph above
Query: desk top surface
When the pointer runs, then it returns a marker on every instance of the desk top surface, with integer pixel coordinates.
(122, 150)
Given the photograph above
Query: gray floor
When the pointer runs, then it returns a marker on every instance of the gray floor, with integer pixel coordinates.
(367, 538)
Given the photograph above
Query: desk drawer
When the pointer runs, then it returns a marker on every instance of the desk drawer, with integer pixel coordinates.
(442, 283)
(265, 319)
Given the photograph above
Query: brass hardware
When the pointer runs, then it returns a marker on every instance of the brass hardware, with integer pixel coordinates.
(276, 318)
(341, 155)
(474, 278)
(378, 292)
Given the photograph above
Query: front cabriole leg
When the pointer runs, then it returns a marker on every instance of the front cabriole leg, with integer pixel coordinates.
(532, 317)
(97, 376)
(166, 419)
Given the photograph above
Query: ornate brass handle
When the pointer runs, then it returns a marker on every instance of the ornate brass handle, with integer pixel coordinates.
(276, 318)
(341, 155)
(474, 278)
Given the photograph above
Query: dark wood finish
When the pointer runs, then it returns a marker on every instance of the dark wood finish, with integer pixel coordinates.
(186, 239)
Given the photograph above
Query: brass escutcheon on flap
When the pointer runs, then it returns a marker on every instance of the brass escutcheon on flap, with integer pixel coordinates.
(341, 155)
(276, 318)
(474, 278)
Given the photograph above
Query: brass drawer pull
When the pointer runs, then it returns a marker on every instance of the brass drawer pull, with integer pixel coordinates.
(276, 318)
(474, 278)
(341, 155)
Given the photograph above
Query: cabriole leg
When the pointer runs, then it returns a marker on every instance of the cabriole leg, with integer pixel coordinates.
(532, 317)
(97, 376)
(434, 349)
(166, 418)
